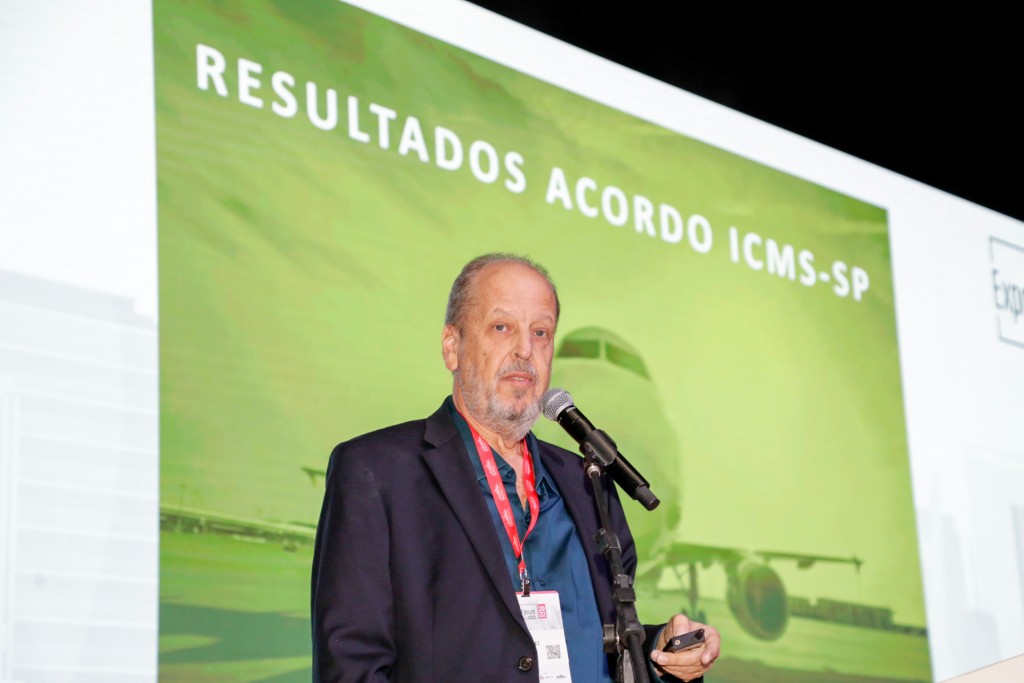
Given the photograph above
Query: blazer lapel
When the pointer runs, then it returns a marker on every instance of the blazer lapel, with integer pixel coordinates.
(450, 466)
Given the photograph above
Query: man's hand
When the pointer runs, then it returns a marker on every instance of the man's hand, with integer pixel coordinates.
(688, 664)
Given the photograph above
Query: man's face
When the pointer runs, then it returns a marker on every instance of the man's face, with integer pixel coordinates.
(502, 356)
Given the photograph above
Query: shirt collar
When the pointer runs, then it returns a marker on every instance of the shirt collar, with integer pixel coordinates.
(540, 473)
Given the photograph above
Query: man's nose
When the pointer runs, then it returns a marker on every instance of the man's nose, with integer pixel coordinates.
(524, 344)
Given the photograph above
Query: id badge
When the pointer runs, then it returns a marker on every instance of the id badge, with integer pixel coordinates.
(542, 612)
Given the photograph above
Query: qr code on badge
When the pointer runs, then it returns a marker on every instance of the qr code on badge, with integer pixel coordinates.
(554, 651)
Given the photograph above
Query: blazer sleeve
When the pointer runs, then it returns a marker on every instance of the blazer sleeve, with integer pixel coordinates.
(351, 592)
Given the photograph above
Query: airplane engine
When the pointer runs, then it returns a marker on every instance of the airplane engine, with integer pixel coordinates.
(757, 598)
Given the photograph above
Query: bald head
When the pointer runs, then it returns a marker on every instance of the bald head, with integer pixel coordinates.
(461, 294)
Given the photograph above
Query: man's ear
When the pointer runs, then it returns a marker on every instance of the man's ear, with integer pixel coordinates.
(450, 347)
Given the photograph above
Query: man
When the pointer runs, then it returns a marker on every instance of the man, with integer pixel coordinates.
(415, 576)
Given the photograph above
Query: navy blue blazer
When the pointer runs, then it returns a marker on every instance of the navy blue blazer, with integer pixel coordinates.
(409, 580)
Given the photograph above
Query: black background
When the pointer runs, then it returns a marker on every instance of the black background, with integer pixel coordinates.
(922, 91)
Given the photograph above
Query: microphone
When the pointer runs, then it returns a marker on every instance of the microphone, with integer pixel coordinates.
(558, 406)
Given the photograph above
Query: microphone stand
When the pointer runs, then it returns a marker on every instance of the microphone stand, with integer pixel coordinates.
(627, 634)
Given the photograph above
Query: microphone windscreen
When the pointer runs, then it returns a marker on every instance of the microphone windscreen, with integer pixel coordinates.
(554, 401)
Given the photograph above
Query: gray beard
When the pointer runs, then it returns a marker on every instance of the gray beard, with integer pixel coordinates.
(510, 423)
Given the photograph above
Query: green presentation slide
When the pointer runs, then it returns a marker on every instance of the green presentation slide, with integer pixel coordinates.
(324, 173)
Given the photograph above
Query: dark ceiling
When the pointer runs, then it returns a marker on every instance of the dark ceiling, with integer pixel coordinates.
(926, 92)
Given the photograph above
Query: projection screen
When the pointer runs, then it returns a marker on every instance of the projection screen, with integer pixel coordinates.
(233, 251)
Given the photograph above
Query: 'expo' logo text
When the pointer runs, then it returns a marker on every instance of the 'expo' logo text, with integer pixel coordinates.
(1008, 289)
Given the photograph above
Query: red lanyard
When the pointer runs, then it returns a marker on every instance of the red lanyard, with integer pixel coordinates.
(497, 487)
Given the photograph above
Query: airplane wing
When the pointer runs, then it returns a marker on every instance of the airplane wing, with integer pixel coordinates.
(807, 561)
(192, 520)
(674, 554)
(755, 593)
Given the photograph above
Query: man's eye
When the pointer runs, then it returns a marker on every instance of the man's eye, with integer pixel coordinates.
(541, 333)
(500, 327)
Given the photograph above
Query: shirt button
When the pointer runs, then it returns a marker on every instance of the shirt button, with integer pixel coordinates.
(525, 663)
(542, 582)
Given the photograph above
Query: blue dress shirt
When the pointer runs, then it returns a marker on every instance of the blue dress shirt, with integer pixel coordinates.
(554, 557)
